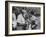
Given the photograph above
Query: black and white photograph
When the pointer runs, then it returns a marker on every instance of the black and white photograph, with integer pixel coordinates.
(23, 18)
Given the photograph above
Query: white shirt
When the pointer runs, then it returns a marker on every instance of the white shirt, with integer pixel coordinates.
(20, 19)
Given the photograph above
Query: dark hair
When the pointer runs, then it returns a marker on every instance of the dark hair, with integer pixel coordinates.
(33, 22)
(37, 14)
(21, 12)
(32, 12)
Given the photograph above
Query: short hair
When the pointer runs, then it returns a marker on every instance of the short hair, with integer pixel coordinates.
(32, 12)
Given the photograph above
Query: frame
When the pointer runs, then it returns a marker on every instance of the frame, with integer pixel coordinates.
(18, 4)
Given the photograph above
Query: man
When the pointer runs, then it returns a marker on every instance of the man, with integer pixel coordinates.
(27, 17)
(33, 22)
(21, 21)
(38, 21)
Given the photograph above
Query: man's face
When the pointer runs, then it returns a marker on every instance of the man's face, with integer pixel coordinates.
(24, 11)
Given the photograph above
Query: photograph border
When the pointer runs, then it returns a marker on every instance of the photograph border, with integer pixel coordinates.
(6, 18)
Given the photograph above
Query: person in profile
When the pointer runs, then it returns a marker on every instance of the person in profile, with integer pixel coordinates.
(37, 21)
(25, 16)
(33, 18)
(21, 21)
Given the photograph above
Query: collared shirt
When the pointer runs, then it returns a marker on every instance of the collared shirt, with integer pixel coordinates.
(20, 19)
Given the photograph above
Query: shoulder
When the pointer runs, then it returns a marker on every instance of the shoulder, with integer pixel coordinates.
(19, 15)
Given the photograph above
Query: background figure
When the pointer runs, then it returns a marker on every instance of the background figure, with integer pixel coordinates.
(37, 21)
(33, 24)
(14, 23)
